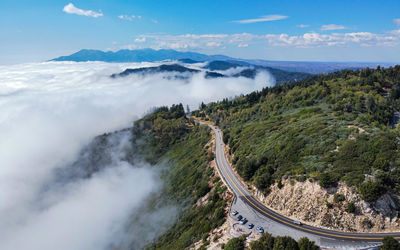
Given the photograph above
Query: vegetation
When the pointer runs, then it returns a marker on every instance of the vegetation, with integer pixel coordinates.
(235, 244)
(167, 138)
(351, 207)
(389, 243)
(330, 128)
(268, 242)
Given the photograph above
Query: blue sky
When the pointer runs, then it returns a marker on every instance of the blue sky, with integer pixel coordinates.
(323, 30)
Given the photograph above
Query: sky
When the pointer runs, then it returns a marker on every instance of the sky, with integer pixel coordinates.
(295, 30)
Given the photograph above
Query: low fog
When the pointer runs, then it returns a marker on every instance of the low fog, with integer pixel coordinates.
(49, 114)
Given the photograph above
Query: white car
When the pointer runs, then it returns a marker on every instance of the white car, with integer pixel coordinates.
(297, 222)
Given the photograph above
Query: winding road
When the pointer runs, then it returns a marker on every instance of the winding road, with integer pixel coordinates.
(242, 193)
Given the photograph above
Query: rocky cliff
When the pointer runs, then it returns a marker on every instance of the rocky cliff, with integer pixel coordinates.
(339, 208)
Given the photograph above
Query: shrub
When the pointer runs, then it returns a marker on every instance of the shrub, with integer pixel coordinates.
(235, 244)
(371, 191)
(305, 244)
(338, 198)
(285, 243)
(280, 185)
(327, 180)
(351, 207)
(390, 243)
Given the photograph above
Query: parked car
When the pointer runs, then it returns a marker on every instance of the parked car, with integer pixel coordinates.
(250, 226)
(234, 212)
(243, 221)
(260, 229)
(239, 218)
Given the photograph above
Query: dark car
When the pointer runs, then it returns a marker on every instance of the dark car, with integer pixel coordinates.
(243, 221)
(260, 229)
(250, 226)
(239, 218)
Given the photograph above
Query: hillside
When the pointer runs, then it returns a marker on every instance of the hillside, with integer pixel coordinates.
(328, 129)
(181, 150)
(214, 69)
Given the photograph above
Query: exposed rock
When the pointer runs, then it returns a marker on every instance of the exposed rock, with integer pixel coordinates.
(310, 203)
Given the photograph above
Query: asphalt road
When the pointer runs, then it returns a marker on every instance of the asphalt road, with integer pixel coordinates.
(241, 192)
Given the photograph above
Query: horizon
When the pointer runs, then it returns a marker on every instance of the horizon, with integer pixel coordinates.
(362, 62)
(276, 31)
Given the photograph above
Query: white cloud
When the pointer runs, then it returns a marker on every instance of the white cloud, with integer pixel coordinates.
(141, 39)
(71, 9)
(397, 21)
(49, 112)
(154, 21)
(213, 44)
(302, 26)
(306, 40)
(262, 19)
(129, 17)
(332, 27)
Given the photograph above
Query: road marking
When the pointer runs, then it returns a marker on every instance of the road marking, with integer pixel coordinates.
(283, 221)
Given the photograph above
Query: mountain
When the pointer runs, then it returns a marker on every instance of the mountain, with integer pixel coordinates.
(281, 76)
(159, 69)
(250, 71)
(148, 55)
(151, 55)
(328, 144)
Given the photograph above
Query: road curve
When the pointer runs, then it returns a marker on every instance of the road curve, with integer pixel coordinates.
(241, 192)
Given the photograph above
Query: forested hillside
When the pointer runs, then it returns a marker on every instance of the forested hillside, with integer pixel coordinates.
(326, 128)
(167, 138)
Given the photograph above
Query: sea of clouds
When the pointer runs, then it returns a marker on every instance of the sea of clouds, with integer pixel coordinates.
(51, 111)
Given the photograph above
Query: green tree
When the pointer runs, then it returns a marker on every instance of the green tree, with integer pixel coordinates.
(285, 243)
(371, 191)
(235, 244)
(305, 244)
(327, 180)
(390, 243)
(266, 242)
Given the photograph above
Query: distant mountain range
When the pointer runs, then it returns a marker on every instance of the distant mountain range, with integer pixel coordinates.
(151, 55)
(214, 69)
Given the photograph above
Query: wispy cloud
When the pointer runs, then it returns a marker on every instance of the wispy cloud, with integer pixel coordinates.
(71, 9)
(129, 17)
(140, 40)
(332, 27)
(302, 26)
(262, 19)
(397, 21)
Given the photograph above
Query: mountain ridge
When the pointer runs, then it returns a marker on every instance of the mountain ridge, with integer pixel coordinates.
(152, 55)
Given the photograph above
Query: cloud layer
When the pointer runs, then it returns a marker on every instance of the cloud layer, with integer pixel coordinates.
(49, 112)
(71, 9)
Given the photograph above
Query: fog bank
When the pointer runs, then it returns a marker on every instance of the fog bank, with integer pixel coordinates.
(49, 113)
